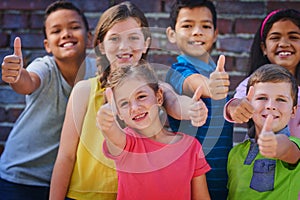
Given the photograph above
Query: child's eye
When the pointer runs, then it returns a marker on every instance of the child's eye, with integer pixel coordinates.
(76, 27)
(281, 100)
(261, 98)
(294, 37)
(123, 104)
(186, 26)
(55, 31)
(141, 97)
(114, 39)
(207, 26)
(134, 38)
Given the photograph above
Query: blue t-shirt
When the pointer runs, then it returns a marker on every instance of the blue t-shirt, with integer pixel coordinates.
(216, 134)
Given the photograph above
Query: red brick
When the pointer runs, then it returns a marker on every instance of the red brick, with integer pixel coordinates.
(249, 26)
(4, 40)
(225, 26)
(234, 44)
(29, 40)
(235, 7)
(15, 21)
(13, 114)
(2, 114)
(24, 5)
(4, 132)
(280, 5)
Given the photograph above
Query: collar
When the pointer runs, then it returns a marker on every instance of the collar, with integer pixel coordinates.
(201, 66)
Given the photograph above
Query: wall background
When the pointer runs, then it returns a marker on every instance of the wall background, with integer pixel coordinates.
(238, 20)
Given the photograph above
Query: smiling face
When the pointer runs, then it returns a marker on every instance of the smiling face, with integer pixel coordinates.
(194, 32)
(283, 45)
(272, 99)
(138, 104)
(124, 43)
(66, 34)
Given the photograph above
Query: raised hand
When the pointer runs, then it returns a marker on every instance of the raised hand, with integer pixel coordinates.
(267, 140)
(219, 81)
(106, 117)
(12, 64)
(198, 111)
(241, 110)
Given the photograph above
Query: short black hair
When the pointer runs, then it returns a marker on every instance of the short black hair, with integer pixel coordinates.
(178, 4)
(59, 5)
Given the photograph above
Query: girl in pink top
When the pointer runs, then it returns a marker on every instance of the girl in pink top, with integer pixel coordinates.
(277, 41)
(152, 163)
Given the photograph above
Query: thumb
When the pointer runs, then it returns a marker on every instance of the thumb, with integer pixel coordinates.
(110, 99)
(198, 93)
(17, 47)
(250, 93)
(267, 125)
(220, 64)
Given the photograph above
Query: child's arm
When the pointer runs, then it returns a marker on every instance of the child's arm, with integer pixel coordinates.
(199, 188)
(239, 110)
(216, 87)
(106, 121)
(182, 107)
(277, 146)
(20, 79)
(70, 135)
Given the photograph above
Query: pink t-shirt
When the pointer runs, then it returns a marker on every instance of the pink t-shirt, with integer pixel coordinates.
(294, 123)
(151, 170)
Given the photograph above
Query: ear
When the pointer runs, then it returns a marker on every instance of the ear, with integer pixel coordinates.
(294, 111)
(263, 48)
(160, 97)
(171, 34)
(216, 33)
(146, 44)
(46, 46)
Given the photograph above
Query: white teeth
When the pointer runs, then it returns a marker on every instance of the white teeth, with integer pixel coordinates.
(68, 44)
(285, 53)
(124, 56)
(139, 116)
(195, 43)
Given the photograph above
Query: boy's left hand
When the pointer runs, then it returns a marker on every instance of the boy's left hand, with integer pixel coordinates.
(198, 110)
(219, 81)
(270, 144)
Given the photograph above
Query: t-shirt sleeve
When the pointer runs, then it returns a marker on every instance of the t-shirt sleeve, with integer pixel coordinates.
(240, 91)
(177, 75)
(201, 166)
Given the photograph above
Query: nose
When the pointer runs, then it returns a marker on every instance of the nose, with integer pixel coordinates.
(67, 33)
(197, 30)
(270, 105)
(134, 105)
(124, 44)
(284, 42)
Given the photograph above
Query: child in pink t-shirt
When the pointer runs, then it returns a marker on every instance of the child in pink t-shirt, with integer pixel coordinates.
(152, 163)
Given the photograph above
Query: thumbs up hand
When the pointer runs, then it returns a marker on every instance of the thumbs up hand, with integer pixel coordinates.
(198, 110)
(270, 144)
(12, 64)
(241, 110)
(219, 81)
(106, 116)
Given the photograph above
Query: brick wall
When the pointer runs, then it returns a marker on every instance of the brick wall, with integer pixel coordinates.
(237, 22)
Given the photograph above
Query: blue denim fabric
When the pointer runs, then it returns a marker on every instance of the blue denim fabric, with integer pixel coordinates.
(263, 175)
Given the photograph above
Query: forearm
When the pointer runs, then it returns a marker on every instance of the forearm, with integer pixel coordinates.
(27, 83)
(61, 178)
(292, 155)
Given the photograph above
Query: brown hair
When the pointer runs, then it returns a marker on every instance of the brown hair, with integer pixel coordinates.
(275, 74)
(142, 71)
(107, 20)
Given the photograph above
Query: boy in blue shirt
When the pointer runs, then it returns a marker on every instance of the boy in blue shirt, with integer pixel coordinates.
(193, 29)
